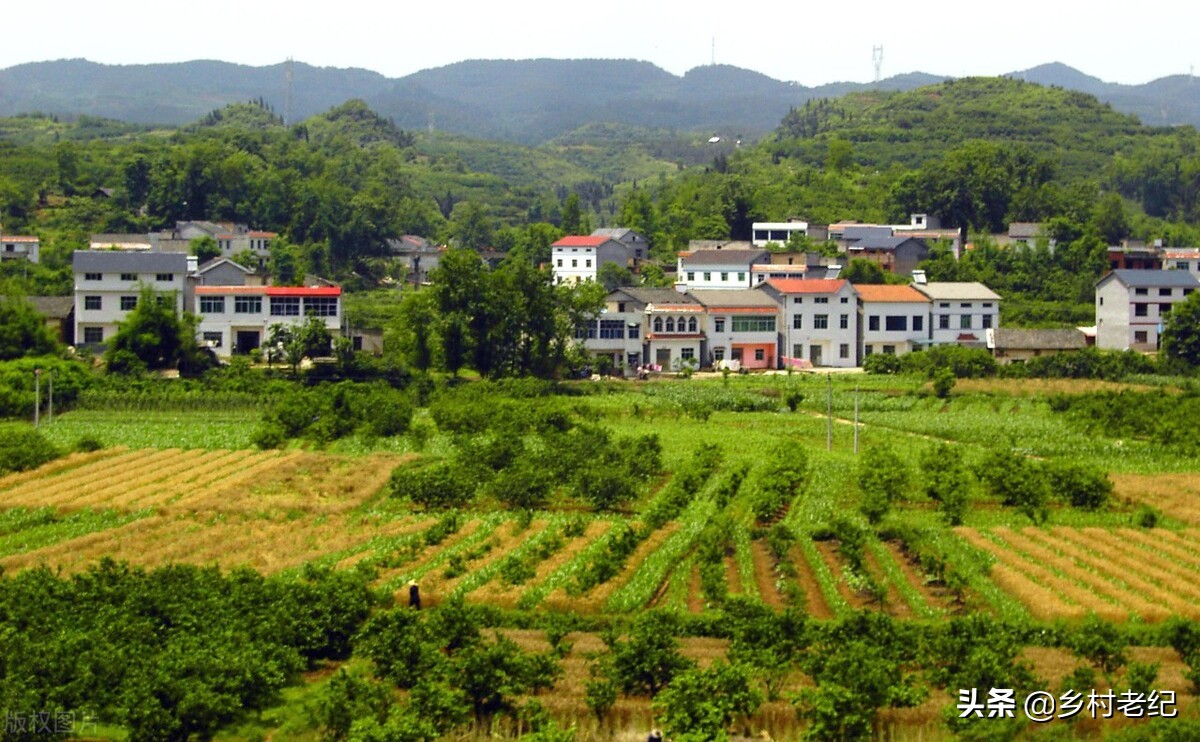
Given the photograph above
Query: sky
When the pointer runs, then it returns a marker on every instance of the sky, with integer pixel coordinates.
(809, 43)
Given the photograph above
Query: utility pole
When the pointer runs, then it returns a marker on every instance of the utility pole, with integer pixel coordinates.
(829, 412)
(856, 418)
(37, 395)
(50, 378)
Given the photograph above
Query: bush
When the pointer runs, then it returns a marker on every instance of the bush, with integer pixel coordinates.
(436, 486)
(23, 448)
(1079, 485)
(88, 444)
(881, 363)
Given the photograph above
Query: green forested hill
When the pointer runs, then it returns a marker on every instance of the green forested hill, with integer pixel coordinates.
(910, 128)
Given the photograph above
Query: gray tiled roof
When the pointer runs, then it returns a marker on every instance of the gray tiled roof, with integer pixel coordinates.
(52, 307)
(726, 257)
(951, 290)
(883, 243)
(117, 261)
(735, 298)
(1155, 279)
(655, 295)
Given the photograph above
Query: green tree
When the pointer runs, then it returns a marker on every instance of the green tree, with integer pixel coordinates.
(646, 661)
(153, 333)
(701, 704)
(1181, 335)
(882, 479)
(943, 382)
(471, 226)
(205, 249)
(1016, 481)
(23, 331)
(572, 215)
(864, 270)
(946, 481)
(612, 276)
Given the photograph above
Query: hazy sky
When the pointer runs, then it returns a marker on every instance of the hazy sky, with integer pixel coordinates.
(807, 42)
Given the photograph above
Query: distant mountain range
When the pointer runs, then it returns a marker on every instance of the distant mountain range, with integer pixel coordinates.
(530, 101)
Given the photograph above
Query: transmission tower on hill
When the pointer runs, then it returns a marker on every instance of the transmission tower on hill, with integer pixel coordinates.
(877, 59)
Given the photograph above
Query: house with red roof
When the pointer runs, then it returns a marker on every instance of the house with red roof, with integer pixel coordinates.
(577, 258)
(820, 321)
(895, 319)
(238, 319)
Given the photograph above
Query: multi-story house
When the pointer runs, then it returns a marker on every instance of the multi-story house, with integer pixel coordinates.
(674, 330)
(718, 269)
(1132, 306)
(961, 312)
(895, 319)
(820, 320)
(577, 258)
(20, 247)
(109, 283)
(741, 328)
(764, 233)
(1185, 259)
(238, 319)
(620, 333)
(899, 255)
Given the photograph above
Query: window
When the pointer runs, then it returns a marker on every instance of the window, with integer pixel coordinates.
(719, 324)
(128, 276)
(918, 323)
(1140, 337)
(670, 324)
(741, 277)
(845, 300)
(1164, 292)
(844, 350)
(320, 306)
(759, 354)
(634, 331)
(285, 306)
(822, 300)
(162, 300)
(965, 305)
(987, 321)
(620, 306)
(943, 322)
(212, 339)
(987, 305)
(591, 330)
(964, 322)
(247, 305)
(574, 263)
(820, 321)
(724, 276)
(1164, 308)
(93, 334)
(753, 324)
(612, 329)
(560, 262)
(1141, 292)
(895, 323)
(128, 303)
(691, 324)
(691, 275)
(798, 300)
(633, 360)
(212, 305)
(587, 263)
(873, 323)
(844, 322)
(1183, 266)
(91, 303)
(658, 324)
(687, 353)
(707, 276)
(356, 343)
(889, 350)
(719, 354)
(164, 277)
(92, 277)
(581, 332)
(1139, 310)
(944, 305)
(869, 350)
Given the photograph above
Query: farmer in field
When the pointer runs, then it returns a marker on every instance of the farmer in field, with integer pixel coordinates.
(414, 595)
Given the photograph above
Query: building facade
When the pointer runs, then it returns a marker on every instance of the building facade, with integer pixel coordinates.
(895, 319)
(108, 285)
(961, 312)
(820, 321)
(238, 319)
(1132, 306)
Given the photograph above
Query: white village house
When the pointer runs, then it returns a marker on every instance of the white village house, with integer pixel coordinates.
(109, 282)
(820, 321)
(238, 319)
(1132, 305)
(895, 319)
(962, 312)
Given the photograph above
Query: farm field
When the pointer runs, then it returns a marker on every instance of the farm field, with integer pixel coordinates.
(185, 488)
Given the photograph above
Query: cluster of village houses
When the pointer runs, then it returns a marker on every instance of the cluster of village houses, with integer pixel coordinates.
(736, 305)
